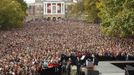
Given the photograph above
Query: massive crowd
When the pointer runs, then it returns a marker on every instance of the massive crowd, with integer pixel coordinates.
(24, 50)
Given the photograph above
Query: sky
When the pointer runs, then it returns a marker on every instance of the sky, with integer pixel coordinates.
(29, 1)
(32, 1)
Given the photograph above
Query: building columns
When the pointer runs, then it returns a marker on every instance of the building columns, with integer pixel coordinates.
(45, 8)
(51, 8)
(62, 8)
(56, 9)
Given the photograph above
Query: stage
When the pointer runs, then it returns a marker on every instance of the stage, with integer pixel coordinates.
(103, 68)
(106, 68)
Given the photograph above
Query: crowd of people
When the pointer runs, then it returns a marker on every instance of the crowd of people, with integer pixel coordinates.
(25, 50)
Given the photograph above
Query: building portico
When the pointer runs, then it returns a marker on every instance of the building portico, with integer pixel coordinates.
(54, 10)
(49, 9)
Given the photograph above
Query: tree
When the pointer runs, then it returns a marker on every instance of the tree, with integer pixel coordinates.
(76, 9)
(90, 10)
(86, 9)
(23, 4)
(117, 17)
(11, 14)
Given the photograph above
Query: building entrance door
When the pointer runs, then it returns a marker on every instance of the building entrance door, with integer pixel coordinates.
(54, 9)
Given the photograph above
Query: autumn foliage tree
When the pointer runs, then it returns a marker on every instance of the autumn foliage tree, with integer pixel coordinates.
(23, 5)
(12, 14)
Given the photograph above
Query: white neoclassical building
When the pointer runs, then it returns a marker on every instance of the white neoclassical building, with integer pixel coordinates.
(54, 9)
(50, 9)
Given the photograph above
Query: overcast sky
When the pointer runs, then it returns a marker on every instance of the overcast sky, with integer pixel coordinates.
(32, 1)
(29, 1)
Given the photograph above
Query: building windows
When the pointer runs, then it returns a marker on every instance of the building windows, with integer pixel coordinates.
(54, 8)
(54, 3)
(59, 7)
(48, 8)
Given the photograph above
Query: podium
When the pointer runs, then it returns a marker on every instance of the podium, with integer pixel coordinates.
(89, 70)
(93, 73)
(90, 67)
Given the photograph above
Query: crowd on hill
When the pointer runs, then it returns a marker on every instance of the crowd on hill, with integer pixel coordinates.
(25, 50)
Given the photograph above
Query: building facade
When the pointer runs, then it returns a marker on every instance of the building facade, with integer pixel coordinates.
(49, 9)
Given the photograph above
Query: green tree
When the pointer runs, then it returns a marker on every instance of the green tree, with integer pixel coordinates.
(76, 9)
(11, 14)
(117, 17)
(86, 9)
(90, 10)
(23, 4)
